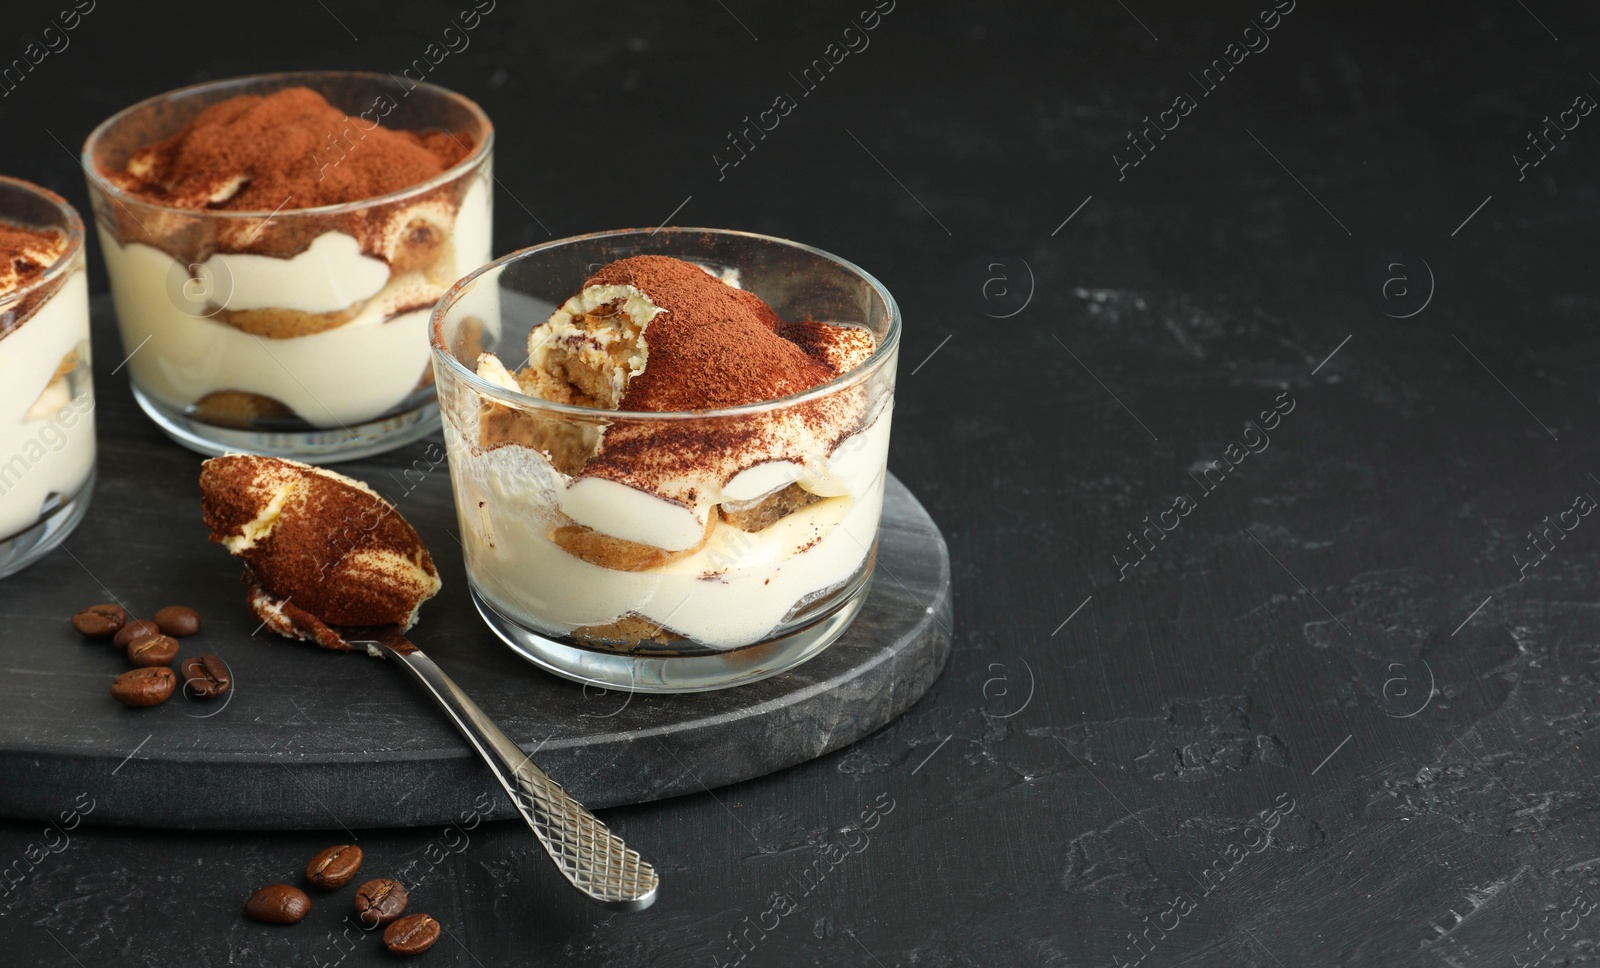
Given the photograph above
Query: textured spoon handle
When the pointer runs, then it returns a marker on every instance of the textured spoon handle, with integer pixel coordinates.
(588, 854)
(594, 859)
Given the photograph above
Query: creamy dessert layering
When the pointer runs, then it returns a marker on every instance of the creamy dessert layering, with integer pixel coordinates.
(629, 533)
(319, 315)
(46, 401)
(324, 553)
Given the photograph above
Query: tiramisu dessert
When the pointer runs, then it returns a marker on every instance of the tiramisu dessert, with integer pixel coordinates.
(324, 553)
(46, 399)
(645, 521)
(262, 255)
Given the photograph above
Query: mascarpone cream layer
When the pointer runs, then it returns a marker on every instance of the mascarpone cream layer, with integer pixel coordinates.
(329, 275)
(733, 592)
(351, 373)
(46, 433)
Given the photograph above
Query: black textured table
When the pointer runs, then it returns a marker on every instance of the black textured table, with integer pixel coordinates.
(1231, 757)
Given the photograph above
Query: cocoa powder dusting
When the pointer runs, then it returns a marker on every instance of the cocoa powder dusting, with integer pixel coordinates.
(25, 253)
(291, 149)
(315, 554)
(714, 346)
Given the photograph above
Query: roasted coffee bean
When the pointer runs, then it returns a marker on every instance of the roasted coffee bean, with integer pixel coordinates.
(143, 687)
(334, 867)
(380, 901)
(278, 904)
(411, 935)
(206, 677)
(153, 650)
(178, 620)
(100, 621)
(134, 630)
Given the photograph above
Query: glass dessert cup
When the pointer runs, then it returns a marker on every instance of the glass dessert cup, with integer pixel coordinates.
(47, 445)
(298, 333)
(770, 557)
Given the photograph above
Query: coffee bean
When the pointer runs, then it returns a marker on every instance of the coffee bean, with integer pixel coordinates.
(178, 620)
(143, 687)
(334, 867)
(206, 677)
(411, 935)
(153, 650)
(380, 901)
(100, 621)
(134, 630)
(278, 904)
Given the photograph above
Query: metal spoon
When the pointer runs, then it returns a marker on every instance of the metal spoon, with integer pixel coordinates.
(592, 858)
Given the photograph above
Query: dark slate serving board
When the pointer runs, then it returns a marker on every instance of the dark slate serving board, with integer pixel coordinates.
(314, 739)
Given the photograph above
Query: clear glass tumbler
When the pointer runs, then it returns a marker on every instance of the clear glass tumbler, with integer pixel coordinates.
(278, 332)
(746, 594)
(47, 449)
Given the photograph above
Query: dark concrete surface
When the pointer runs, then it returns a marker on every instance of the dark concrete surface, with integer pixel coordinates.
(1329, 718)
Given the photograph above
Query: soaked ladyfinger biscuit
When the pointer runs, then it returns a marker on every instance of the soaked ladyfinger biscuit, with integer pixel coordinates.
(276, 323)
(626, 634)
(769, 510)
(239, 409)
(619, 554)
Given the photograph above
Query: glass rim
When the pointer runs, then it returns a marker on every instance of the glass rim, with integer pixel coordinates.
(474, 158)
(67, 261)
(523, 401)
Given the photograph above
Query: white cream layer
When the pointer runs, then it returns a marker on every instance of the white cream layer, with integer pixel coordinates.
(46, 435)
(672, 513)
(349, 374)
(731, 593)
(329, 275)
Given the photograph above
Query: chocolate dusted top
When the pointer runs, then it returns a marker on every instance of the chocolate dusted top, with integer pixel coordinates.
(713, 346)
(283, 153)
(26, 252)
(325, 542)
(709, 345)
(839, 348)
(287, 150)
(719, 346)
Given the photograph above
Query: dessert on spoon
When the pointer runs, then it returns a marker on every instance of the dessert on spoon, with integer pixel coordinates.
(330, 561)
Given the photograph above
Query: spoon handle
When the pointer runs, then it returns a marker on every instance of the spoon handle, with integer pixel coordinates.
(588, 854)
